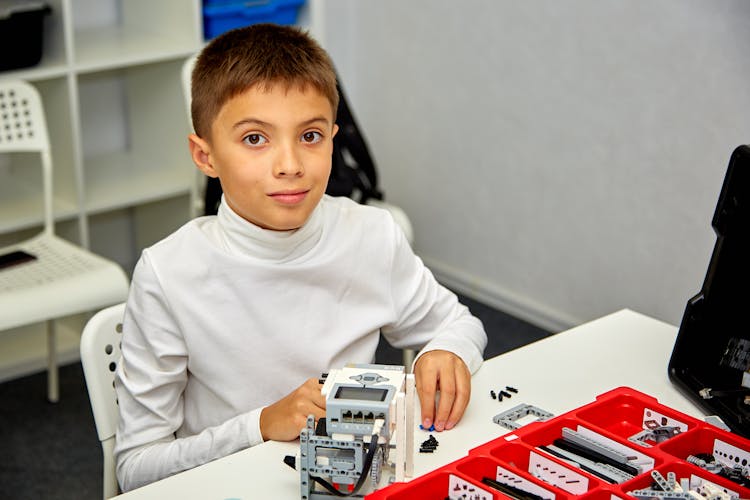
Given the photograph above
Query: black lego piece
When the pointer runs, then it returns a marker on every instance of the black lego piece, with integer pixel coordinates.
(320, 427)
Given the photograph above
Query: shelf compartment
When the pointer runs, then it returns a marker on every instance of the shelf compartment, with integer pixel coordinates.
(694, 475)
(112, 34)
(21, 205)
(112, 48)
(614, 415)
(732, 449)
(627, 415)
(121, 180)
(604, 494)
(142, 155)
(545, 435)
(479, 467)
(440, 485)
(726, 448)
(540, 435)
(530, 463)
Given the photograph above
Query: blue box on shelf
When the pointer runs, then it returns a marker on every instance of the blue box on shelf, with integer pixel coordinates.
(223, 15)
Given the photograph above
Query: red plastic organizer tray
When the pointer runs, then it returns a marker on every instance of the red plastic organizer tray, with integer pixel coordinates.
(623, 419)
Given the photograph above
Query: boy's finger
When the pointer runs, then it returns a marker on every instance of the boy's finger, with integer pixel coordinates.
(463, 394)
(319, 400)
(426, 387)
(318, 412)
(447, 398)
(313, 393)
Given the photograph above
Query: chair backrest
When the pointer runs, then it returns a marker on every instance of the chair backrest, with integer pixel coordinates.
(187, 74)
(196, 190)
(24, 129)
(100, 354)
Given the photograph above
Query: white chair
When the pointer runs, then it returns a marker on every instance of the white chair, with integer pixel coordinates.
(100, 353)
(61, 278)
(197, 205)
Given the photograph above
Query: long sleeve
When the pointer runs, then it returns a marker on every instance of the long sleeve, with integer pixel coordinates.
(225, 318)
(150, 382)
(429, 315)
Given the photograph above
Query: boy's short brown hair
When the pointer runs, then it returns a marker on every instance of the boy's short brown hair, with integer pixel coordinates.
(260, 54)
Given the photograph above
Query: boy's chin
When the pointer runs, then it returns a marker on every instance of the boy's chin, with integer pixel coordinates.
(278, 218)
(284, 224)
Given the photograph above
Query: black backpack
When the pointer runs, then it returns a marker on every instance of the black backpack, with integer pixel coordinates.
(352, 169)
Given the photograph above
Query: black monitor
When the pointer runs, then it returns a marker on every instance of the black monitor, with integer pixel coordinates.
(712, 352)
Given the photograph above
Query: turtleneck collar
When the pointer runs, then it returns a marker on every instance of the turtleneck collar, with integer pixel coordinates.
(243, 238)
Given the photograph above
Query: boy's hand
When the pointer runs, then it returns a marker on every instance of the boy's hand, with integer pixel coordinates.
(283, 420)
(445, 372)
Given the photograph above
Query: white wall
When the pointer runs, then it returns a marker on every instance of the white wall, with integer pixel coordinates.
(560, 160)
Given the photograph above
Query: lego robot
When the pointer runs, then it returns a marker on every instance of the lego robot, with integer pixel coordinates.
(368, 429)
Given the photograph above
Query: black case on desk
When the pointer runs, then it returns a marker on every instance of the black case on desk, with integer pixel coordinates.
(712, 350)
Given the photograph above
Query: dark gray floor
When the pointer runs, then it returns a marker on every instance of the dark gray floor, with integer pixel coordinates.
(51, 450)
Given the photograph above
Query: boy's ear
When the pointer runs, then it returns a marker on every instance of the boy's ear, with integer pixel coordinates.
(200, 151)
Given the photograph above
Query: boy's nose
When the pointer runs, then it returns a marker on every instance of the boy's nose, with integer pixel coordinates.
(288, 163)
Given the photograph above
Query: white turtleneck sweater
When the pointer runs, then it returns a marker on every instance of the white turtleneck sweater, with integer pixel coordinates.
(225, 318)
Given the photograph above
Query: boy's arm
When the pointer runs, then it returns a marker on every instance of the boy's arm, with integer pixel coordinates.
(452, 341)
(168, 455)
(150, 381)
(428, 316)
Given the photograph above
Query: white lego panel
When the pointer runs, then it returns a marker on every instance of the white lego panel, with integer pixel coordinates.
(461, 489)
(558, 475)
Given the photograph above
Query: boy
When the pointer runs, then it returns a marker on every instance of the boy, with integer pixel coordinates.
(230, 317)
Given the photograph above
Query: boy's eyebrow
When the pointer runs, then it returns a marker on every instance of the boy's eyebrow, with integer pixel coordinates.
(315, 120)
(251, 121)
(261, 123)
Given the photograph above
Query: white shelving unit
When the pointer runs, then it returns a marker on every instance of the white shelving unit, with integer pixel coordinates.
(110, 81)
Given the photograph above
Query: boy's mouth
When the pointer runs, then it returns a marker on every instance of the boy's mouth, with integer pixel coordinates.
(290, 197)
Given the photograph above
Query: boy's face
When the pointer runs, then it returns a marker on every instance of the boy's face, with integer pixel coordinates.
(272, 151)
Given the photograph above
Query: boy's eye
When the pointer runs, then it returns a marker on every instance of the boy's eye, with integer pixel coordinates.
(254, 139)
(312, 137)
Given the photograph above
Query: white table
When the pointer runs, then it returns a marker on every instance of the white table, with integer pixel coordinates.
(557, 374)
